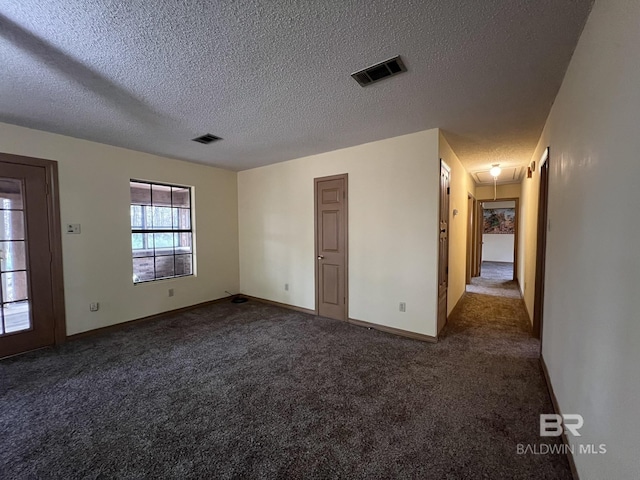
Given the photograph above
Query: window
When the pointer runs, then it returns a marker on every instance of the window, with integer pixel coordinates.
(161, 234)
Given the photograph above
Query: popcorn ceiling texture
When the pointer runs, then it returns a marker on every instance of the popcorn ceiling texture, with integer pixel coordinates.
(272, 79)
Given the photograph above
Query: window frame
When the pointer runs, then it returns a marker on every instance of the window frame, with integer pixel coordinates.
(173, 231)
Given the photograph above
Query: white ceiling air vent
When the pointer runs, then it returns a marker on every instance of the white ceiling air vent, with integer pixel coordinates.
(207, 139)
(379, 71)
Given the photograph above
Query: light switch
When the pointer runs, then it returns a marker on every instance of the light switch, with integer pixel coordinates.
(73, 228)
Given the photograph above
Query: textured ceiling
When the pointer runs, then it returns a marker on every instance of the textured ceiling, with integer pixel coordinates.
(273, 78)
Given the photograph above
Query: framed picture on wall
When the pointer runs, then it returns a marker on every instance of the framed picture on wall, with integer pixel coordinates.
(499, 220)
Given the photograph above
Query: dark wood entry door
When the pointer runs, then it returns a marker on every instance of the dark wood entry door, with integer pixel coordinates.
(331, 246)
(443, 248)
(27, 318)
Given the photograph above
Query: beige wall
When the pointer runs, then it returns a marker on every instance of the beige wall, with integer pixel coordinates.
(486, 192)
(527, 232)
(591, 331)
(393, 230)
(461, 186)
(94, 192)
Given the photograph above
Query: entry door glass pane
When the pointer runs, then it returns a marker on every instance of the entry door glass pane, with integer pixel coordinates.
(14, 273)
(16, 316)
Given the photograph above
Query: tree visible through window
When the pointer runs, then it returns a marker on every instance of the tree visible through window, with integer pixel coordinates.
(161, 233)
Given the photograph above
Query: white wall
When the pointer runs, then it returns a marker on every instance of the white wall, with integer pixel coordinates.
(461, 185)
(504, 204)
(497, 247)
(486, 192)
(393, 229)
(591, 329)
(94, 191)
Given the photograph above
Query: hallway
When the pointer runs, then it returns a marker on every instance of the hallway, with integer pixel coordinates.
(497, 358)
(496, 280)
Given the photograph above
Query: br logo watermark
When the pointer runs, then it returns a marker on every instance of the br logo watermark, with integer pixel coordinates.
(553, 425)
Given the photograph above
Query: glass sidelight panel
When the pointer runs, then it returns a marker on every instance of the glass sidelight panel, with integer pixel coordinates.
(12, 225)
(14, 286)
(11, 194)
(16, 316)
(13, 256)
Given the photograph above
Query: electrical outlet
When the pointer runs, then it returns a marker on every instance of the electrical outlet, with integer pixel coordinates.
(286, 287)
(94, 306)
(403, 307)
(171, 292)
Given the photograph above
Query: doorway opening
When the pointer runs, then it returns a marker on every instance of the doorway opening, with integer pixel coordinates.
(493, 247)
(499, 231)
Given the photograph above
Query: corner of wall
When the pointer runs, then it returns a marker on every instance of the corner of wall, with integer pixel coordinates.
(94, 191)
(397, 178)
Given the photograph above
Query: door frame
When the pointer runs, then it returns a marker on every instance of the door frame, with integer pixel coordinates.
(516, 228)
(478, 240)
(471, 215)
(443, 166)
(344, 176)
(541, 247)
(55, 237)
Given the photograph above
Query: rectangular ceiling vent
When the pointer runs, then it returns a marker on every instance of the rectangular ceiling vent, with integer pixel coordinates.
(379, 71)
(207, 139)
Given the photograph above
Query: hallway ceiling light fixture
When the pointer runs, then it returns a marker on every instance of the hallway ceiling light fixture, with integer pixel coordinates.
(495, 173)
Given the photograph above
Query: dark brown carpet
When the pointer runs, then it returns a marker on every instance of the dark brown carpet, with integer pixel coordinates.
(255, 391)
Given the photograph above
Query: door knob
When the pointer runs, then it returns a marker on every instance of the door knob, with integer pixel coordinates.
(320, 257)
